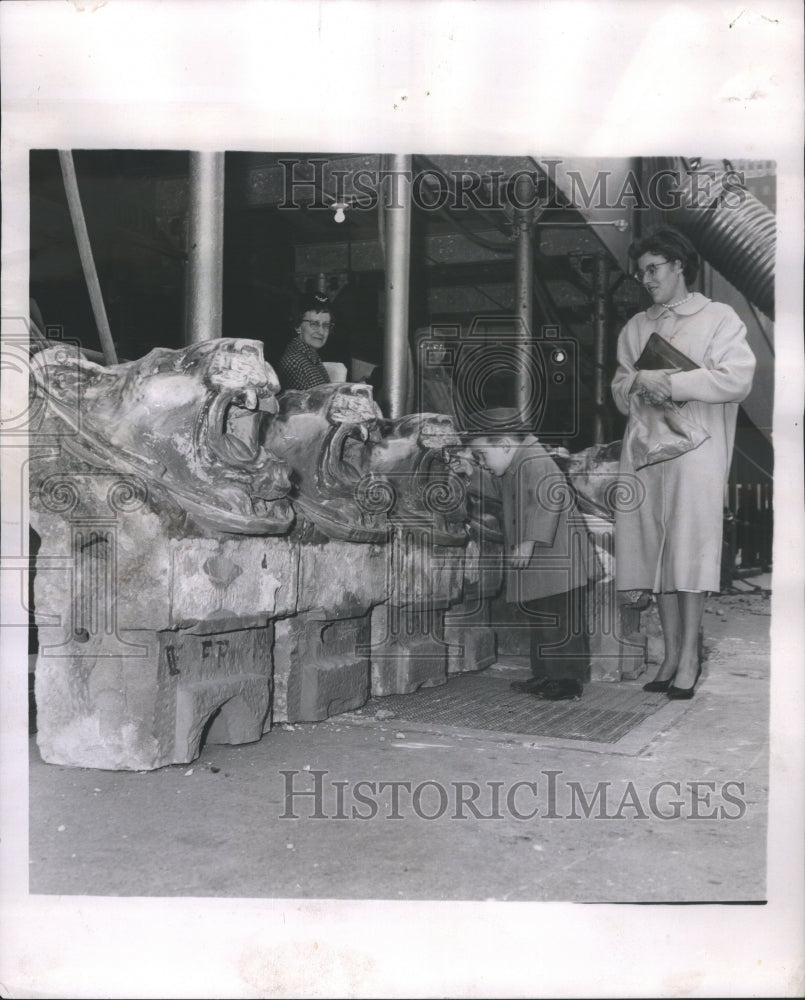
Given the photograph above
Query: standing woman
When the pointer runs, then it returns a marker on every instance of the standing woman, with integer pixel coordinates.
(669, 540)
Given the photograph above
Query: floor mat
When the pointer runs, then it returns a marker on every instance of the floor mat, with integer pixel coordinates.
(606, 713)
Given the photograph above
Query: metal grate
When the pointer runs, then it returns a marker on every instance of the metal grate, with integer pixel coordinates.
(605, 713)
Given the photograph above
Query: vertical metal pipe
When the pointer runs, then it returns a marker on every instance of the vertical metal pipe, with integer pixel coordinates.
(204, 286)
(600, 295)
(85, 253)
(524, 298)
(398, 266)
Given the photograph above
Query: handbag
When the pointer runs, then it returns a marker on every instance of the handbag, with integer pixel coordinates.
(658, 353)
(657, 433)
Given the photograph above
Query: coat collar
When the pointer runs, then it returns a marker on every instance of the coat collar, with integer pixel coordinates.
(694, 305)
(521, 454)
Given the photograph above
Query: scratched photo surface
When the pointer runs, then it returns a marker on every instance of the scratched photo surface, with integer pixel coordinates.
(392, 518)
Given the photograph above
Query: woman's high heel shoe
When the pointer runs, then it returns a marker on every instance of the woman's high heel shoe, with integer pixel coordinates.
(682, 694)
(659, 686)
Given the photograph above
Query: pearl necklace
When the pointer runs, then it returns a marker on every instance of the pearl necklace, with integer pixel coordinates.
(681, 302)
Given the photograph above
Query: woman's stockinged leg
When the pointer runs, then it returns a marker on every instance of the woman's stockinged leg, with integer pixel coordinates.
(671, 621)
(691, 608)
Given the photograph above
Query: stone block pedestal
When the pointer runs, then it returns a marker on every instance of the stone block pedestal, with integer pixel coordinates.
(407, 650)
(151, 703)
(470, 639)
(617, 650)
(321, 667)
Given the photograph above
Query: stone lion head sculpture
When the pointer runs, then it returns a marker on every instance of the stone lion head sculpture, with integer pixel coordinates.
(186, 421)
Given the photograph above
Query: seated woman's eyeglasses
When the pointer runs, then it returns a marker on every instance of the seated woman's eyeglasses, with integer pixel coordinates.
(650, 271)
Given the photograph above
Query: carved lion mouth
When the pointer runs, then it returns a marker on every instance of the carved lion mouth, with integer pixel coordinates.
(233, 425)
(233, 436)
(337, 468)
(354, 418)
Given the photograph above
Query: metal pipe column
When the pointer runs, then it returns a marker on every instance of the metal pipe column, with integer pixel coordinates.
(396, 352)
(204, 285)
(600, 295)
(85, 253)
(524, 299)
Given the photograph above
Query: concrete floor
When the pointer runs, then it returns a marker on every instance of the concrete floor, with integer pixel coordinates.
(216, 827)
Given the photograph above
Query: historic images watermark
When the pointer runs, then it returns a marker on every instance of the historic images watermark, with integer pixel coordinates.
(538, 371)
(548, 795)
(524, 189)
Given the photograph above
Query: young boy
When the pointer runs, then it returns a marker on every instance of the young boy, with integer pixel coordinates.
(547, 560)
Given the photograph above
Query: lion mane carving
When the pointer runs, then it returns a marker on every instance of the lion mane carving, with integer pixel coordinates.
(323, 434)
(356, 474)
(185, 421)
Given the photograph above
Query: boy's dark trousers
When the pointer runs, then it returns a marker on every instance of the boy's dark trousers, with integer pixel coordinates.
(560, 651)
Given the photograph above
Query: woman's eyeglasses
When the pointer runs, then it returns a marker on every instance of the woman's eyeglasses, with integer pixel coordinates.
(649, 272)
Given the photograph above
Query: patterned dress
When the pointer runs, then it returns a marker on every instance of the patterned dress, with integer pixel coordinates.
(300, 367)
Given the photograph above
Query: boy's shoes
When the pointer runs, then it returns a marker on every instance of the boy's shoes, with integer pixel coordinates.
(561, 690)
(532, 686)
(550, 689)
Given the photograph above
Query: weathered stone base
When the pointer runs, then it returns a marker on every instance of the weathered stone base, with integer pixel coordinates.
(149, 703)
(234, 709)
(332, 687)
(320, 667)
(617, 651)
(406, 651)
(470, 640)
(100, 710)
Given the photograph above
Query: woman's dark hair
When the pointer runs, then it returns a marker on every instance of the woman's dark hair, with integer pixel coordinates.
(311, 302)
(671, 244)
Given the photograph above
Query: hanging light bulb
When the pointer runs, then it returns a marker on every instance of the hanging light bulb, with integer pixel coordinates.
(339, 208)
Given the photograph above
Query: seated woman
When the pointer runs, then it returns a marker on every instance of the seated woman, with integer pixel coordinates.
(300, 367)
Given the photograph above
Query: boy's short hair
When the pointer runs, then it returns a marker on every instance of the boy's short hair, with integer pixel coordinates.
(491, 440)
